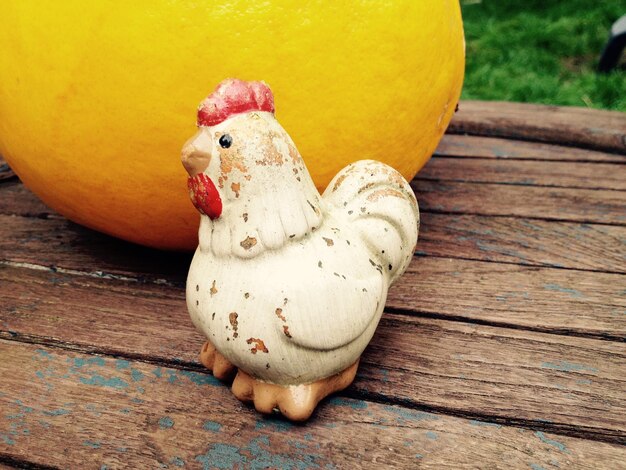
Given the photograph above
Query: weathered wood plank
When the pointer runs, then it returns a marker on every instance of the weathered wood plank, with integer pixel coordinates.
(99, 411)
(572, 205)
(60, 243)
(551, 300)
(575, 127)
(577, 384)
(527, 173)
(520, 241)
(470, 146)
(55, 241)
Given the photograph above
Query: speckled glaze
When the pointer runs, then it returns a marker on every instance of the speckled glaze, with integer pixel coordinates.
(288, 286)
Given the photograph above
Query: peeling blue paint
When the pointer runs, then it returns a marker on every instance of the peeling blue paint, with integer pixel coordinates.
(99, 381)
(431, 435)
(212, 426)
(136, 375)
(43, 353)
(474, 422)
(256, 455)
(125, 410)
(564, 366)
(122, 364)
(201, 379)
(583, 382)
(158, 372)
(166, 422)
(564, 290)
(419, 456)
(23, 409)
(59, 412)
(137, 400)
(534, 466)
(273, 423)
(7, 440)
(411, 415)
(551, 442)
(222, 456)
(172, 377)
(92, 444)
(95, 361)
(354, 404)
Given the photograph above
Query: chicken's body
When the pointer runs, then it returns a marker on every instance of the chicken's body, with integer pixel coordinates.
(286, 285)
(313, 305)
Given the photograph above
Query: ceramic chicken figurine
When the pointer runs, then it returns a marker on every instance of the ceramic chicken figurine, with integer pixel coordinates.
(288, 286)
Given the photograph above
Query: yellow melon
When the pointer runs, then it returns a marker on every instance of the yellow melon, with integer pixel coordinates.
(97, 98)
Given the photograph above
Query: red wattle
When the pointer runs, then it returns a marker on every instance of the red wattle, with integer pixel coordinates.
(204, 195)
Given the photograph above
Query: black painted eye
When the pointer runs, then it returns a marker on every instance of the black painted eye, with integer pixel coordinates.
(226, 141)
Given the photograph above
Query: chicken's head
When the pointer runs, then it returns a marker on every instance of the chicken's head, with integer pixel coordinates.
(243, 166)
(214, 140)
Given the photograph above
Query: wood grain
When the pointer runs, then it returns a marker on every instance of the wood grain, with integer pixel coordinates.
(520, 241)
(543, 299)
(557, 300)
(527, 173)
(570, 205)
(469, 146)
(574, 385)
(54, 241)
(101, 411)
(570, 126)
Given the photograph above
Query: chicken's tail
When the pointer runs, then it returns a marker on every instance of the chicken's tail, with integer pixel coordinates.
(381, 205)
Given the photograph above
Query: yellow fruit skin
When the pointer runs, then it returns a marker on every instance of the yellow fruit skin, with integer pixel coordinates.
(97, 98)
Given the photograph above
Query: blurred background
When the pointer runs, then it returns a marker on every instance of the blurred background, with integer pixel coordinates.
(542, 51)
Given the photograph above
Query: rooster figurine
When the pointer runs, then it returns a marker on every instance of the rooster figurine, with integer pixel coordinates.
(288, 286)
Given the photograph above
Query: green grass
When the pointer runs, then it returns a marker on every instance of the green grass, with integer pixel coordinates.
(541, 51)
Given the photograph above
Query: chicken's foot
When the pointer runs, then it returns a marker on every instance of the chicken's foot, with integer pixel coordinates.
(216, 363)
(296, 402)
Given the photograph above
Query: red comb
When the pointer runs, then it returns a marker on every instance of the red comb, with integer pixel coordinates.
(232, 97)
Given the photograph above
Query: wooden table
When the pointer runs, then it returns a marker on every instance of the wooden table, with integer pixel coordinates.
(502, 346)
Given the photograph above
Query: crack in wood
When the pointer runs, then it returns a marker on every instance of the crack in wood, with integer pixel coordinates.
(476, 321)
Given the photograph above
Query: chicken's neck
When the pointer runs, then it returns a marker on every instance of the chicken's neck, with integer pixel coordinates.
(272, 213)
